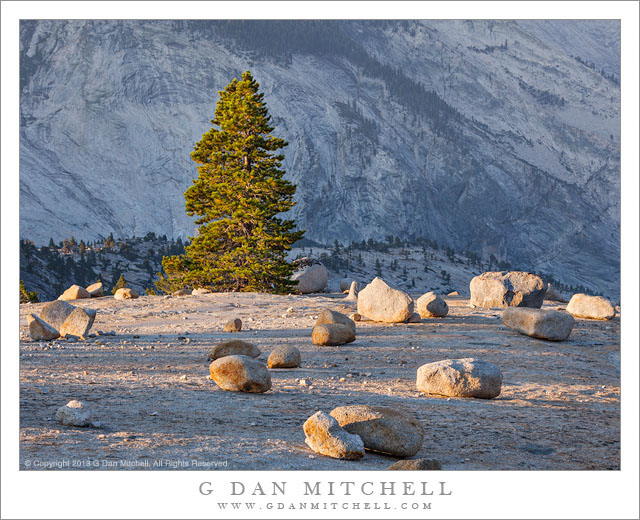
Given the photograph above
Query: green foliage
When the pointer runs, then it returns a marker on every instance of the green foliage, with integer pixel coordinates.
(119, 284)
(27, 296)
(241, 243)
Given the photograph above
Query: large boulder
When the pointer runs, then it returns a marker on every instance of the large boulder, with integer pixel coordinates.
(56, 312)
(466, 377)
(75, 292)
(507, 289)
(332, 334)
(590, 307)
(233, 347)
(200, 291)
(78, 323)
(430, 305)
(182, 292)
(240, 374)
(325, 436)
(329, 317)
(75, 413)
(538, 323)
(310, 274)
(96, 290)
(40, 330)
(284, 356)
(382, 429)
(124, 293)
(379, 302)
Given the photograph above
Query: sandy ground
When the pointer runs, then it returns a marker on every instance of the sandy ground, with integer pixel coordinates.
(149, 385)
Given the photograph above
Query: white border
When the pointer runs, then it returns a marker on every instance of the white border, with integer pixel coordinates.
(174, 495)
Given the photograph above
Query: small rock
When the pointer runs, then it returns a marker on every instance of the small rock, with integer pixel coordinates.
(507, 289)
(233, 347)
(234, 325)
(555, 295)
(342, 379)
(74, 413)
(240, 374)
(284, 356)
(125, 293)
(96, 290)
(182, 292)
(332, 335)
(430, 305)
(453, 293)
(466, 377)
(382, 429)
(54, 313)
(415, 318)
(355, 317)
(590, 307)
(200, 291)
(78, 323)
(183, 377)
(538, 323)
(325, 436)
(40, 330)
(379, 302)
(345, 284)
(415, 465)
(75, 292)
(290, 310)
(304, 382)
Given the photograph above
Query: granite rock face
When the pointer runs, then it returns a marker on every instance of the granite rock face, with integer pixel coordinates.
(527, 141)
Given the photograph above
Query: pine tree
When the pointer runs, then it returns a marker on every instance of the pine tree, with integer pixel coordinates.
(27, 296)
(119, 284)
(240, 243)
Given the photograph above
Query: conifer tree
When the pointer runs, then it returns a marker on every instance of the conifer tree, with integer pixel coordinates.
(119, 284)
(241, 242)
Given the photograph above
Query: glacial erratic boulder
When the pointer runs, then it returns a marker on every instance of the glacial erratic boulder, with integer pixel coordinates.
(96, 290)
(40, 330)
(234, 325)
(324, 435)
(379, 302)
(78, 323)
(75, 413)
(555, 295)
(125, 293)
(507, 289)
(56, 312)
(538, 323)
(284, 356)
(382, 429)
(590, 307)
(240, 374)
(75, 292)
(430, 305)
(233, 347)
(332, 334)
(467, 377)
(330, 317)
(310, 274)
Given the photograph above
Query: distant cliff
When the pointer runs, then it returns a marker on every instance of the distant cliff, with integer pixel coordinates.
(500, 138)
